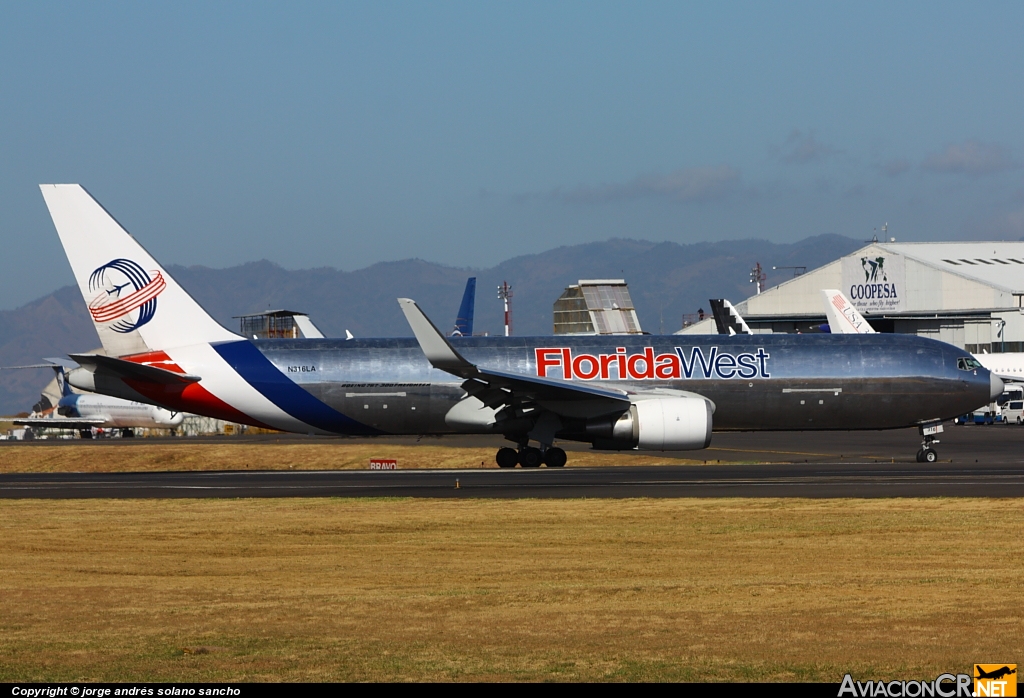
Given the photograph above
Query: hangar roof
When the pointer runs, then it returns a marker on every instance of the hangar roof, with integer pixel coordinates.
(999, 264)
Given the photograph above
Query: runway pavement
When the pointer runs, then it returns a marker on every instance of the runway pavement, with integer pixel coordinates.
(974, 462)
(799, 480)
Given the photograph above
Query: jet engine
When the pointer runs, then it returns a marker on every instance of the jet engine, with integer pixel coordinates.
(657, 424)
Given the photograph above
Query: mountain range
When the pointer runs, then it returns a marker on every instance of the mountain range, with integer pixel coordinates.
(666, 281)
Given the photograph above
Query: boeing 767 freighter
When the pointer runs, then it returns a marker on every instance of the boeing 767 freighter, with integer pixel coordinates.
(617, 392)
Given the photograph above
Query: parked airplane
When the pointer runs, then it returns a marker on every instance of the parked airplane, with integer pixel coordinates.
(1007, 365)
(83, 413)
(464, 320)
(623, 392)
(844, 318)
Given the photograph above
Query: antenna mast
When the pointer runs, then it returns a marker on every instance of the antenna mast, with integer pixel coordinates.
(757, 276)
(505, 294)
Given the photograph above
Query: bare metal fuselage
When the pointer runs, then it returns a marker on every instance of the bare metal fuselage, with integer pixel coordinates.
(793, 382)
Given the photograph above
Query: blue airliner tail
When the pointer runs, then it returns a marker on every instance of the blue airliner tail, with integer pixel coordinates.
(62, 381)
(464, 321)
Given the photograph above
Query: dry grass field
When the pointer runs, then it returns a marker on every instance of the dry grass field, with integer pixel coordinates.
(342, 589)
(227, 454)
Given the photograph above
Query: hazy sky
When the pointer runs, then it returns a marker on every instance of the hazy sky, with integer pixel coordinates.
(346, 134)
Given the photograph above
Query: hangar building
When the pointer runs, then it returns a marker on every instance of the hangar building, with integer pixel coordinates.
(965, 293)
(596, 306)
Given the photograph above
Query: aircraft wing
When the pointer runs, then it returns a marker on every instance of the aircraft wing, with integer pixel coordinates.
(28, 366)
(60, 422)
(496, 388)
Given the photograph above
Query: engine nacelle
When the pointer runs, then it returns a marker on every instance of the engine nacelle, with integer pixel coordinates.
(658, 424)
(673, 424)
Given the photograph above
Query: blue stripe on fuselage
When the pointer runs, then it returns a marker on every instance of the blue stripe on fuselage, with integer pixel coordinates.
(258, 372)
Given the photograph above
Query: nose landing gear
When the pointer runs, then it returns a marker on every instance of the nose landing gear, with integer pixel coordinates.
(927, 454)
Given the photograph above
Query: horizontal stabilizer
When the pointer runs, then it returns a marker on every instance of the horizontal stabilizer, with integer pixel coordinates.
(119, 368)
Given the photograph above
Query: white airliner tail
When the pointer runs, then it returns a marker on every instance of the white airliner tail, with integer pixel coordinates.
(843, 318)
(135, 305)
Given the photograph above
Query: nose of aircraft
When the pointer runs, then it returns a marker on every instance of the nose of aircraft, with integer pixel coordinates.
(996, 386)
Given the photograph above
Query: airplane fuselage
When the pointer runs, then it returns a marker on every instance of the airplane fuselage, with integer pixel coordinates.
(116, 413)
(756, 382)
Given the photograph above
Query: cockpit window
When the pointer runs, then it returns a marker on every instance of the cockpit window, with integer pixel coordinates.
(965, 364)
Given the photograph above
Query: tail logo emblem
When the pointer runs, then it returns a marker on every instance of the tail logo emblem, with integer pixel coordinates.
(125, 295)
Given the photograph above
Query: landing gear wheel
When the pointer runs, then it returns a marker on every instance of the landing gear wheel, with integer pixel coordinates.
(507, 458)
(530, 457)
(555, 457)
(928, 455)
(920, 455)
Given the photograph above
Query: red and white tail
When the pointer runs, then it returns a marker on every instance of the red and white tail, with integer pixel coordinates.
(135, 304)
(843, 318)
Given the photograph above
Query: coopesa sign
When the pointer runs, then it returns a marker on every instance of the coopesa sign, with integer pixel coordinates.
(873, 291)
(552, 361)
(875, 281)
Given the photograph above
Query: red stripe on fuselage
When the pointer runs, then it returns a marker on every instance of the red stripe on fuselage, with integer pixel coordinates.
(185, 397)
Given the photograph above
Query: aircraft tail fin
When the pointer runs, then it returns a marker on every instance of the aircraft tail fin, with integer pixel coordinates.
(843, 318)
(62, 380)
(464, 321)
(727, 319)
(307, 328)
(134, 303)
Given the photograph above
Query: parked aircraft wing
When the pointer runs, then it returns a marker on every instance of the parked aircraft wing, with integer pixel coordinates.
(27, 366)
(550, 393)
(843, 318)
(60, 422)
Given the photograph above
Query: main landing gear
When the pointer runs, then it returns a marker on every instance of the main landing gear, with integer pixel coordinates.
(927, 454)
(530, 457)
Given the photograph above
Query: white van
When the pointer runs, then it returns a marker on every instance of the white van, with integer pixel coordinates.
(1013, 412)
(1012, 404)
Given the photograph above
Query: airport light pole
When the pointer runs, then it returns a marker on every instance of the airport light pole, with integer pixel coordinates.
(757, 276)
(505, 294)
